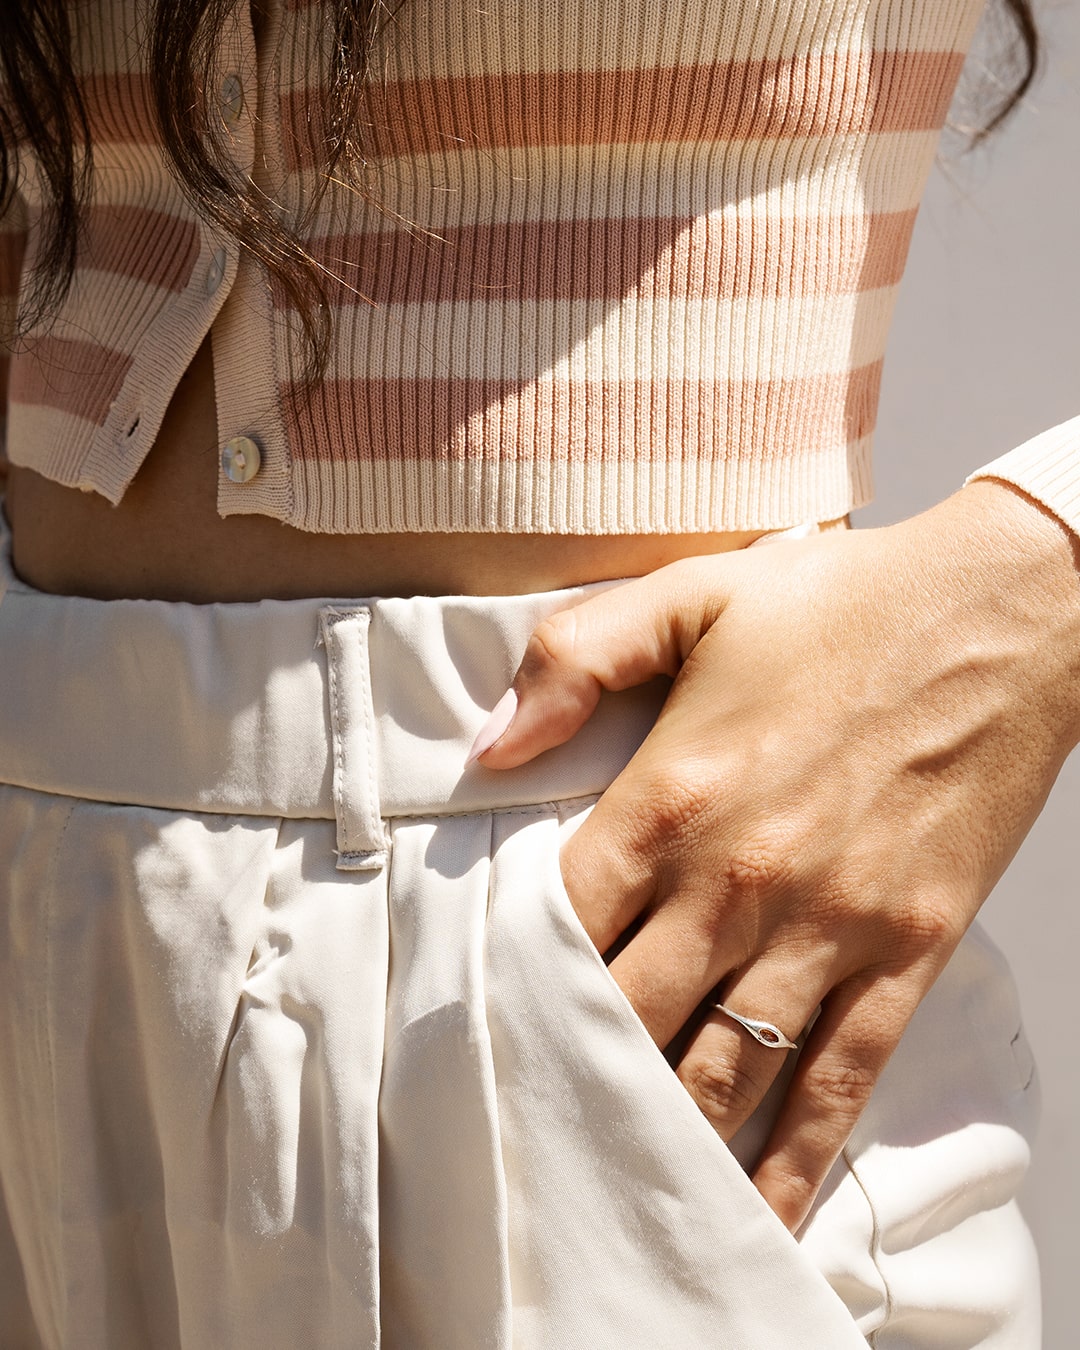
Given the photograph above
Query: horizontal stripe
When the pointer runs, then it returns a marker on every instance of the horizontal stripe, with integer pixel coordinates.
(845, 175)
(124, 313)
(731, 420)
(109, 38)
(733, 100)
(76, 377)
(567, 341)
(53, 443)
(120, 107)
(152, 247)
(725, 256)
(640, 496)
(12, 246)
(446, 40)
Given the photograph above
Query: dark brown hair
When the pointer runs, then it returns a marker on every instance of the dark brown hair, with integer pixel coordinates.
(43, 107)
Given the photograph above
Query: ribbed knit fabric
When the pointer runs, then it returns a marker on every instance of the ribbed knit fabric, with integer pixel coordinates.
(1047, 467)
(610, 268)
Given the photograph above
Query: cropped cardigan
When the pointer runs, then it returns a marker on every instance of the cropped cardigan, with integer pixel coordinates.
(606, 268)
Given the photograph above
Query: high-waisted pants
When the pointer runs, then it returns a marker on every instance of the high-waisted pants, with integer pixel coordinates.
(303, 1047)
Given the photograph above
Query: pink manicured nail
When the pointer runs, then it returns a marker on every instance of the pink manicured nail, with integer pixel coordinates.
(501, 716)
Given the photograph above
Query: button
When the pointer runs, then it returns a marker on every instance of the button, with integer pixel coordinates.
(216, 271)
(241, 459)
(232, 98)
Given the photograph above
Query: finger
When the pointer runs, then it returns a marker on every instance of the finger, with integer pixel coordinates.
(725, 1068)
(850, 1044)
(673, 963)
(644, 834)
(608, 870)
(622, 637)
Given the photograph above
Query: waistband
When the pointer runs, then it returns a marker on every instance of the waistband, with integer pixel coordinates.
(354, 709)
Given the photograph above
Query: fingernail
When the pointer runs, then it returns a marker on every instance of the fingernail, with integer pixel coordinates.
(501, 716)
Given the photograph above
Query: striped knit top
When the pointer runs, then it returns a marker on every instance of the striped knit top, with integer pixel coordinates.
(609, 267)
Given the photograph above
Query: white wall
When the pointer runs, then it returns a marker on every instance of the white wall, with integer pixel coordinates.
(985, 352)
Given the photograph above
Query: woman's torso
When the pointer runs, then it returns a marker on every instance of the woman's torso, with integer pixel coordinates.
(165, 539)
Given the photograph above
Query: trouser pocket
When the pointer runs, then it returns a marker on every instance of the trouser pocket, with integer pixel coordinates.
(630, 1220)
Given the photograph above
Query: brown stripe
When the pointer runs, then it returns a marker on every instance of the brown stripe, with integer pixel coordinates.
(80, 378)
(811, 94)
(716, 420)
(716, 258)
(12, 247)
(120, 107)
(149, 246)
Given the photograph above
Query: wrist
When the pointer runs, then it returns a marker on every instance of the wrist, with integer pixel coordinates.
(1016, 567)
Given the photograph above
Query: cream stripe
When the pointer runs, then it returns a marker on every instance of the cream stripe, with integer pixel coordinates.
(834, 176)
(639, 496)
(106, 296)
(568, 341)
(430, 40)
(444, 40)
(52, 442)
(110, 39)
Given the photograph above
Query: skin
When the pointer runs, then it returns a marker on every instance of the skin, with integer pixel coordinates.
(862, 728)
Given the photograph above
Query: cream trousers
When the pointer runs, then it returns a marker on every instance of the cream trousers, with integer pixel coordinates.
(302, 1045)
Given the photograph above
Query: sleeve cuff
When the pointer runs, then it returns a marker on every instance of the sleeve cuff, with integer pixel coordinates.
(1047, 468)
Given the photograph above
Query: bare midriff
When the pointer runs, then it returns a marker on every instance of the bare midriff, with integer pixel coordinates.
(166, 541)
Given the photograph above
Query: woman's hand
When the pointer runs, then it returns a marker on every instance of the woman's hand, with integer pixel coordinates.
(863, 727)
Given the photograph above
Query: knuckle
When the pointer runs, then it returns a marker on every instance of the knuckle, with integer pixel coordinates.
(556, 674)
(761, 862)
(923, 927)
(932, 921)
(752, 869)
(843, 1089)
(552, 642)
(723, 1091)
(679, 803)
(801, 1183)
(794, 1187)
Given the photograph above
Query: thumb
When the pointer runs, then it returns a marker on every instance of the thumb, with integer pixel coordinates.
(619, 638)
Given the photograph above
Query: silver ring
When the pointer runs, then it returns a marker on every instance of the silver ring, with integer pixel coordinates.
(765, 1032)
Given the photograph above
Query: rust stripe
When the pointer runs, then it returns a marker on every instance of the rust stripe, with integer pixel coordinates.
(149, 246)
(808, 95)
(120, 107)
(12, 247)
(716, 257)
(76, 377)
(415, 420)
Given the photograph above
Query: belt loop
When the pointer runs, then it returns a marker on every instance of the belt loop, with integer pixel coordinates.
(361, 836)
